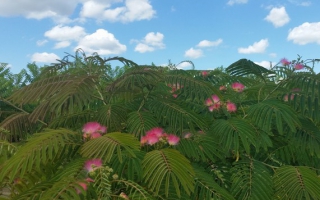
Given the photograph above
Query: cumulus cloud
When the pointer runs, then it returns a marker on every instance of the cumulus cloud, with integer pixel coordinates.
(193, 53)
(231, 2)
(278, 17)
(207, 43)
(151, 42)
(132, 10)
(257, 47)
(184, 65)
(102, 42)
(37, 10)
(65, 34)
(44, 57)
(305, 33)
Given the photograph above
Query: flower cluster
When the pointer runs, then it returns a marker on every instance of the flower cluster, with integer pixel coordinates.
(214, 103)
(93, 130)
(296, 66)
(238, 87)
(156, 135)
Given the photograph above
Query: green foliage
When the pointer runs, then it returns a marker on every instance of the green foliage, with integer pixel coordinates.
(268, 148)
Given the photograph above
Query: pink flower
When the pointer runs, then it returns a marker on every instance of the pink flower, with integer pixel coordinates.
(215, 106)
(156, 131)
(231, 107)
(208, 102)
(83, 185)
(91, 165)
(204, 73)
(152, 139)
(124, 196)
(95, 135)
(238, 87)
(298, 66)
(187, 135)
(285, 62)
(173, 139)
(144, 140)
(175, 95)
(91, 127)
(89, 180)
(222, 88)
(215, 98)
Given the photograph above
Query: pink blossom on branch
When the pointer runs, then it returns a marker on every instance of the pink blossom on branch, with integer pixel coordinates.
(215, 106)
(285, 62)
(91, 165)
(222, 88)
(231, 107)
(83, 185)
(173, 139)
(298, 66)
(238, 87)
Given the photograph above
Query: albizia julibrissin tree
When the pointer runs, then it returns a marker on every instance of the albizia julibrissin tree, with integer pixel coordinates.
(85, 130)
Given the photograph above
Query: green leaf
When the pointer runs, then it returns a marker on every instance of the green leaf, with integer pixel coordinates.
(168, 168)
(109, 145)
(251, 180)
(298, 182)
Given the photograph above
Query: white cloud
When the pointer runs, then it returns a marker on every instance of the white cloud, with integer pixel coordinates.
(265, 64)
(39, 9)
(183, 65)
(62, 44)
(102, 42)
(305, 33)
(193, 53)
(207, 43)
(65, 34)
(231, 2)
(132, 10)
(278, 17)
(257, 47)
(41, 42)
(44, 57)
(151, 42)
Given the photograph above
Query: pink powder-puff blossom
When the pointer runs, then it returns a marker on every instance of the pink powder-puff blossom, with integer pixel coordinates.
(175, 95)
(92, 127)
(215, 106)
(83, 185)
(152, 139)
(144, 140)
(238, 87)
(156, 131)
(204, 73)
(222, 88)
(215, 98)
(231, 107)
(124, 196)
(208, 102)
(298, 66)
(91, 165)
(95, 135)
(187, 135)
(173, 139)
(285, 62)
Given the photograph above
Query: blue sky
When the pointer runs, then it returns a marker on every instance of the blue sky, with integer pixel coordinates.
(208, 33)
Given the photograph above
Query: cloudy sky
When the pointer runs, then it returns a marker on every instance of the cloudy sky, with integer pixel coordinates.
(208, 33)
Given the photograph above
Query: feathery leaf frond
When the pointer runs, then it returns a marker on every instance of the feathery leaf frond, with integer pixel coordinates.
(170, 167)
